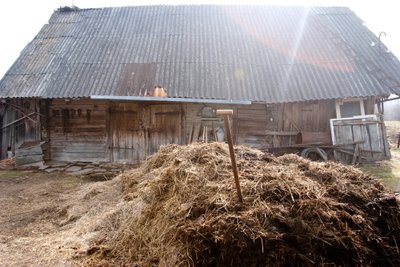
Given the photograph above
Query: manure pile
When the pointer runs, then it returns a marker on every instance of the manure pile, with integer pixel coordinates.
(295, 213)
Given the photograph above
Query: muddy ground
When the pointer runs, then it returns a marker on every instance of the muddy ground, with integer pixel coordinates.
(50, 219)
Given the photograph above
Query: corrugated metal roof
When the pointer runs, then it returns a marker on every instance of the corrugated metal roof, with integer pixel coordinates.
(257, 53)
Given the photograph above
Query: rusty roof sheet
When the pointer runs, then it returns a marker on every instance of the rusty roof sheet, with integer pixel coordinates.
(258, 53)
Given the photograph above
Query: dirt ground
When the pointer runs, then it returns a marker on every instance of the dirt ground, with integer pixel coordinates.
(50, 219)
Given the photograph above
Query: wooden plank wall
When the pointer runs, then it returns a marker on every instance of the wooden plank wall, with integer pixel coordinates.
(369, 131)
(163, 123)
(199, 124)
(126, 133)
(85, 130)
(310, 116)
(276, 125)
(266, 125)
(137, 130)
(25, 129)
(253, 124)
(77, 130)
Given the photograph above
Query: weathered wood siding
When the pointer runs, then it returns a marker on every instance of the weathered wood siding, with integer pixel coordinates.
(264, 125)
(200, 124)
(20, 122)
(78, 130)
(137, 130)
(164, 125)
(360, 139)
(86, 130)
(126, 135)
(254, 122)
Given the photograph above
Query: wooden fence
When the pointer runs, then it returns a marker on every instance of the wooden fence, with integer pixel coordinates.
(359, 139)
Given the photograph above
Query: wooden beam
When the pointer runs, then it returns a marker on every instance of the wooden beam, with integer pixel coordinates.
(20, 119)
(337, 106)
(281, 133)
(19, 110)
(362, 107)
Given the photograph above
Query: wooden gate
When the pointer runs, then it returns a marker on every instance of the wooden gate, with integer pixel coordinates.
(361, 138)
(138, 130)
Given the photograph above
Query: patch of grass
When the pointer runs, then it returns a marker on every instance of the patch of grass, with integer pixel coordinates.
(386, 171)
(13, 173)
(6, 173)
(381, 170)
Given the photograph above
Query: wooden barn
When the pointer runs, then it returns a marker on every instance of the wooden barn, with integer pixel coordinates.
(113, 84)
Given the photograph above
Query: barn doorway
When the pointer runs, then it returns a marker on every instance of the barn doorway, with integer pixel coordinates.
(137, 130)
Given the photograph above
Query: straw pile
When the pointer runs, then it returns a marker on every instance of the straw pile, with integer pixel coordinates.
(295, 213)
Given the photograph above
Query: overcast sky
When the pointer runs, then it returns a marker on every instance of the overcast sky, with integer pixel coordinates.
(21, 20)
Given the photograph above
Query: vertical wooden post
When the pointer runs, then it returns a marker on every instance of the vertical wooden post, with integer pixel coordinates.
(337, 107)
(398, 141)
(226, 113)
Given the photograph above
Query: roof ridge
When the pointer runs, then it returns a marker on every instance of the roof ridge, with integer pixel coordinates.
(75, 8)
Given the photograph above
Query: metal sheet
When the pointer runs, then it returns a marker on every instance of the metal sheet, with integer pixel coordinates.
(253, 53)
(136, 79)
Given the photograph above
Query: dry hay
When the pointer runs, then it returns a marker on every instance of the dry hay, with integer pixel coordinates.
(295, 213)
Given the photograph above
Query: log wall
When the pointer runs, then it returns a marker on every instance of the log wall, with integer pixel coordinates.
(77, 130)
(85, 130)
